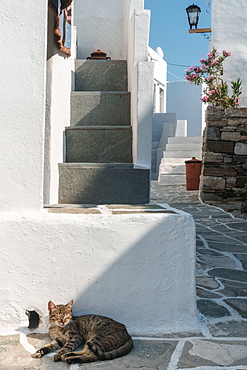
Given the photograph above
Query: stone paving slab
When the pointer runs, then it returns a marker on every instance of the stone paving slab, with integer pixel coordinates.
(222, 300)
(146, 354)
(213, 353)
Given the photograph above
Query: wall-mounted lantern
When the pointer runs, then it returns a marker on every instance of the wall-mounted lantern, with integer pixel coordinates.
(193, 12)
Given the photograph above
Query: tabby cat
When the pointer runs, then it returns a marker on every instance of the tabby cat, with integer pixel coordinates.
(103, 338)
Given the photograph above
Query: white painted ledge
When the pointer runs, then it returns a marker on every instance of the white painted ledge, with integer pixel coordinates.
(138, 268)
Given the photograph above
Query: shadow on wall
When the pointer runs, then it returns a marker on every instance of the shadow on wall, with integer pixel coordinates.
(145, 282)
(138, 268)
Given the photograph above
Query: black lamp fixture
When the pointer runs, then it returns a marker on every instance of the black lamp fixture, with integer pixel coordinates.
(193, 12)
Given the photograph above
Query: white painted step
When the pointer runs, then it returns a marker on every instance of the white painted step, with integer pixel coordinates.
(175, 161)
(172, 179)
(172, 169)
(166, 169)
(185, 139)
(188, 154)
(195, 147)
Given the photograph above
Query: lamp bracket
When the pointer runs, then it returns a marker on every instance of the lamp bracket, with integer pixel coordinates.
(199, 30)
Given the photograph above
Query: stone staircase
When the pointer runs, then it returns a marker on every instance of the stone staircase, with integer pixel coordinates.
(164, 125)
(178, 150)
(99, 166)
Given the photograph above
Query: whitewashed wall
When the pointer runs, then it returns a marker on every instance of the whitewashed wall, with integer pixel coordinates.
(160, 79)
(141, 77)
(100, 25)
(183, 98)
(59, 79)
(229, 32)
(22, 104)
(136, 268)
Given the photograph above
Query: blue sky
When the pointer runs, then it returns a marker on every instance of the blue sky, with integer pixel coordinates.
(169, 30)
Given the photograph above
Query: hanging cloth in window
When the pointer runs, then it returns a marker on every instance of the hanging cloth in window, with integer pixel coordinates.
(62, 12)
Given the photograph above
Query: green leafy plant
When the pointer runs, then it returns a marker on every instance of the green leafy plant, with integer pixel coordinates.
(210, 73)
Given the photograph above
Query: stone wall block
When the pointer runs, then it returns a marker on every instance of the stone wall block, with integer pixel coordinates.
(227, 159)
(215, 123)
(231, 136)
(240, 149)
(229, 129)
(240, 159)
(213, 183)
(241, 182)
(214, 113)
(243, 129)
(231, 182)
(236, 112)
(219, 146)
(210, 197)
(212, 133)
(236, 121)
(219, 171)
(213, 157)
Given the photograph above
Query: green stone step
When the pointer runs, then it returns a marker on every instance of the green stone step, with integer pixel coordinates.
(100, 108)
(81, 183)
(101, 75)
(99, 144)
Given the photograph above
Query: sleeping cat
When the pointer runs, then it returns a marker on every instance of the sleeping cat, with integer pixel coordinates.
(103, 338)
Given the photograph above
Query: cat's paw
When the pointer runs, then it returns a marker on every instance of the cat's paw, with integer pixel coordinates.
(56, 357)
(68, 357)
(38, 354)
(70, 360)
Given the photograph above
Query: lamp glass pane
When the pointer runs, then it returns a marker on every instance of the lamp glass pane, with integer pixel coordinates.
(193, 17)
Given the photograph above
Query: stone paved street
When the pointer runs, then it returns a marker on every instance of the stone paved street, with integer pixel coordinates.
(222, 302)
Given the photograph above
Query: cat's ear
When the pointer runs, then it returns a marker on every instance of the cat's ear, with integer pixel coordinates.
(70, 304)
(51, 306)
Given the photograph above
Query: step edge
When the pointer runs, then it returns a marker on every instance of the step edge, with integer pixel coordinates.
(99, 127)
(89, 92)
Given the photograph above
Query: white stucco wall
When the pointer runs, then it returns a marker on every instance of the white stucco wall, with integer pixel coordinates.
(136, 268)
(141, 79)
(229, 32)
(183, 98)
(58, 89)
(160, 79)
(22, 104)
(100, 25)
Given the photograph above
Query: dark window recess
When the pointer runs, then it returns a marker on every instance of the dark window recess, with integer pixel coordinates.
(34, 319)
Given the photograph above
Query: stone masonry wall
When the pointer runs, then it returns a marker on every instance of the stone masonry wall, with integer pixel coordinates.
(224, 157)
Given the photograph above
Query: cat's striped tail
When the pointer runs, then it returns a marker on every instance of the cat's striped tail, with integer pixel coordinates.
(118, 352)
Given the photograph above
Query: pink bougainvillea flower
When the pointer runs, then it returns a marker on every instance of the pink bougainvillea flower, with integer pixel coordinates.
(211, 92)
(205, 99)
(210, 73)
(226, 53)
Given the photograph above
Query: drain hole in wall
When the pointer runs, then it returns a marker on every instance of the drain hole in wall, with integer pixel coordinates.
(34, 319)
